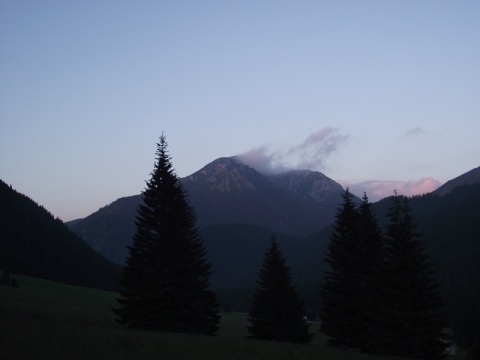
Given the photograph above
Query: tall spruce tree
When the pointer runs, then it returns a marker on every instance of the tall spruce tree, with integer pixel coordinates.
(166, 277)
(352, 289)
(371, 276)
(413, 311)
(341, 289)
(276, 313)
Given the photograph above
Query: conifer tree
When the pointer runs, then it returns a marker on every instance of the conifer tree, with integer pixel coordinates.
(413, 316)
(371, 273)
(166, 277)
(341, 289)
(276, 313)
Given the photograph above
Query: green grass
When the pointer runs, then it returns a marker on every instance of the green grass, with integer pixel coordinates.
(45, 320)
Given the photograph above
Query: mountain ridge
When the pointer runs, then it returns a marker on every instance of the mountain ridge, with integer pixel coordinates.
(468, 178)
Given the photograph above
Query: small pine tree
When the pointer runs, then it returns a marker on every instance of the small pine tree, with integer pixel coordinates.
(341, 289)
(413, 312)
(276, 313)
(166, 277)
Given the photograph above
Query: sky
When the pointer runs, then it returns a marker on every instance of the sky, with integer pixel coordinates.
(377, 95)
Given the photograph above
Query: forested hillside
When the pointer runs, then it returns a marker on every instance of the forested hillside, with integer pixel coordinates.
(33, 242)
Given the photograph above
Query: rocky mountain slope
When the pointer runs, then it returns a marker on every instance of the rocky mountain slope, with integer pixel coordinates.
(296, 203)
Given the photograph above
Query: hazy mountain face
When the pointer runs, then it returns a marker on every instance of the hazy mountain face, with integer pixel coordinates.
(296, 203)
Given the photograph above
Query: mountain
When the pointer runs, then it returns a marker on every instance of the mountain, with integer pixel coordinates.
(226, 191)
(295, 203)
(33, 242)
(470, 177)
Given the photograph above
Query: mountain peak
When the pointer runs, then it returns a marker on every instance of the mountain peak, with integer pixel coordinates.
(224, 175)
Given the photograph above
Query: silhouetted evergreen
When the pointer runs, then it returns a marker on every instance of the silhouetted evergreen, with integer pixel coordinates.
(276, 313)
(165, 280)
(352, 289)
(34, 243)
(413, 307)
(380, 297)
(371, 276)
(342, 288)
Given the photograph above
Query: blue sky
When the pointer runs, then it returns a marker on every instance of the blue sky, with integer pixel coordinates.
(375, 94)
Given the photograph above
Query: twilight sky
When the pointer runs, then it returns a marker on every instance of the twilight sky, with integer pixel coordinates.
(377, 95)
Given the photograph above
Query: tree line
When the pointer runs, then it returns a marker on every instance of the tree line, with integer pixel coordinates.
(379, 295)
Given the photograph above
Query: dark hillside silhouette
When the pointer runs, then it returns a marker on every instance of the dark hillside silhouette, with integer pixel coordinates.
(469, 178)
(33, 242)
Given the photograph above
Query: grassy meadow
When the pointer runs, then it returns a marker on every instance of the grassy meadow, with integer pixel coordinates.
(46, 320)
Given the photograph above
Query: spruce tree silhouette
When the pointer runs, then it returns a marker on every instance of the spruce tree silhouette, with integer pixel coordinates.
(413, 318)
(276, 313)
(341, 290)
(166, 277)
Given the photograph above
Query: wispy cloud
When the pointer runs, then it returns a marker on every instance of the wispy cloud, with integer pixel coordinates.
(414, 132)
(311, 154)
(263, 160)
(377, 190)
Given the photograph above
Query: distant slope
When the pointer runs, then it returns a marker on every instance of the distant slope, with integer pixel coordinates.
(470, 177)
(110, 229)
(33, 242)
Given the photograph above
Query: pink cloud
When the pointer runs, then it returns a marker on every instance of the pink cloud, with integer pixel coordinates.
(377, 190)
